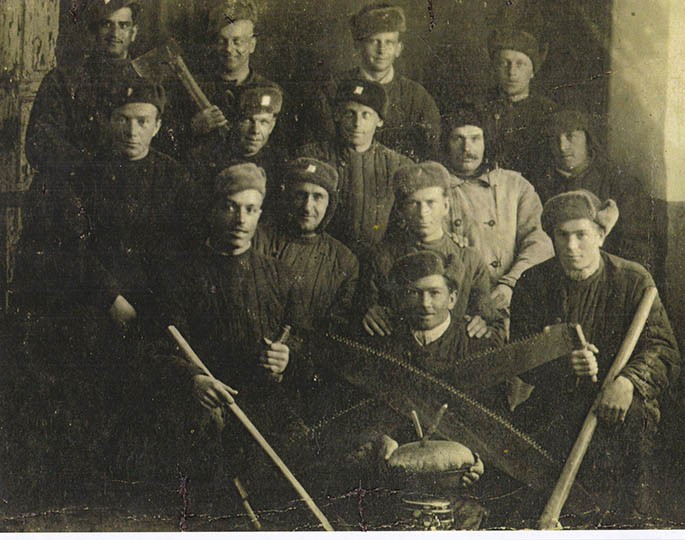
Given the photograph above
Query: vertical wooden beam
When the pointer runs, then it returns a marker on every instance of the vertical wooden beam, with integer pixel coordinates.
(28, 36)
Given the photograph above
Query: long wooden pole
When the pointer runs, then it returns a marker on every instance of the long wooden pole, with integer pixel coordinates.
(550, 516)
(238, 412)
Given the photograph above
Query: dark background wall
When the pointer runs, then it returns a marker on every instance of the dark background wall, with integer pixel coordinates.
(303, 41)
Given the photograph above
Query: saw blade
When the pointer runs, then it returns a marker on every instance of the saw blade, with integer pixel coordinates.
(490, 367)
(405, 387)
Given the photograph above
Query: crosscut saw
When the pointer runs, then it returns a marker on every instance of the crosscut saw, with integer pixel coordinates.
(405, 387)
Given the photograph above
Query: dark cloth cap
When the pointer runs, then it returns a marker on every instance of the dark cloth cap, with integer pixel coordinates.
(369, 93)
(313, 171)
(139, 91)
(260, 99)
(240, 177)
(414, 266)
(568, 120)
(100, 9)
(518, 40)
(411, 178)
(464, 114)
(229, 11)
(376, 18)
(580, 204)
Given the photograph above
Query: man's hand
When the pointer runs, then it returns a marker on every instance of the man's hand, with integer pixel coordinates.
(207, 120)
(212, 392)
(476, 326)
(583, 361)
(275, 358)
(615, 400)
(501, 296)
(388, 445)
(121, 311)
(474, 473)
(376, 322)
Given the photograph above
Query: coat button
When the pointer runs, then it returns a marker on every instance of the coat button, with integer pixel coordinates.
(491, 223)
(495, 264)
(457, 222)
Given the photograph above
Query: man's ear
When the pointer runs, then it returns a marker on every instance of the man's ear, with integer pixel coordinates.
(134, 32)
(453, 300)
(158, 124)
(253, 44)
(400, 48)
(379, 123)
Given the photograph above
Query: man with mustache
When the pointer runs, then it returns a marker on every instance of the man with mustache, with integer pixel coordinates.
(231, 302)
(412, 125)
(327, 269)
(223, 71)
(577, 161)
(516, 115)
(584, 284)
(495, 211)
(422, 201)
(365, 166)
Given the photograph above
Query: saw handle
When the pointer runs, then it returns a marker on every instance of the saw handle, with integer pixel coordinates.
(583, 345)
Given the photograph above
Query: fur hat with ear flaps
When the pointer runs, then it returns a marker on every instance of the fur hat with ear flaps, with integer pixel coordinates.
(580, 204)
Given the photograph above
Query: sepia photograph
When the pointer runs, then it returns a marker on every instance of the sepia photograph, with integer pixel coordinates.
(342, 265)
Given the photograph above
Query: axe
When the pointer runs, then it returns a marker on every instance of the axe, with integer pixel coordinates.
(165, 61)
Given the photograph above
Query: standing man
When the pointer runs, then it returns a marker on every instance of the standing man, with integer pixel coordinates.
(365, 166)
(601, 292)
(422, 200)
(578, 161)
(516, 116)
(327, 269)
(224, 71)
(412, 125)
(495, 211)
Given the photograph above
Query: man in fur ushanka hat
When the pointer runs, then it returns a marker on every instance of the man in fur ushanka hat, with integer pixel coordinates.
(576, 160)
(583, 284)
(412, 125)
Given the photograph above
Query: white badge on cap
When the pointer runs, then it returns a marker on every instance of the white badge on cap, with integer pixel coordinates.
(107, 1)
(266, 100)
(311, 168)
(359, 90)
(129, 92)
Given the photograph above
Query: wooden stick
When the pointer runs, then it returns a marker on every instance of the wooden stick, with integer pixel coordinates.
(417, 424)
(434, 426)
(246, 504)
(550, 516)
(238, 412)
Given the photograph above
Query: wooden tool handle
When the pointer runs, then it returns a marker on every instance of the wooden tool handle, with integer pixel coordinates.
(550, 515)
(251, 428)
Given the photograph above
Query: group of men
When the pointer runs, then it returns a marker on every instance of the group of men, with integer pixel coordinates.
(419, 231)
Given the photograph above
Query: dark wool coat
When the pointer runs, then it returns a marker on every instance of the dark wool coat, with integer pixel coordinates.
(634, 236)
(365, 189)
(604, 305)
(516, 132)
(326, 269)
(69, 113)
(411, 127)
(473, 296)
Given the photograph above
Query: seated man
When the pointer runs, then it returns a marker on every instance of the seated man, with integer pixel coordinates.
(365, 167)
(495, 211)
(579, 162)
(586, 285)
(412, 125)
(421, 198)
(515, 115)
(327, 270)
(231, 302)
(256, 114)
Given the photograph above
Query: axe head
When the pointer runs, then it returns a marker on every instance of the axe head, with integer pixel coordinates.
(154, 64)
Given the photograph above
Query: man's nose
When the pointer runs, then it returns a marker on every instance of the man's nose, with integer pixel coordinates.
(564, 143)
(572, 243)
(130, 128)
(309, 203)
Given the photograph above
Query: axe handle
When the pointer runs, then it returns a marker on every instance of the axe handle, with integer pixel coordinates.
(550, 516)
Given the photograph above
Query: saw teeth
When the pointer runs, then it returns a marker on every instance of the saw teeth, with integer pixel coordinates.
(461, 395)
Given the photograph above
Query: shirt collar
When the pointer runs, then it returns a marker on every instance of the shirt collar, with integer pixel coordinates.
(425, 337)
(485, 179)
